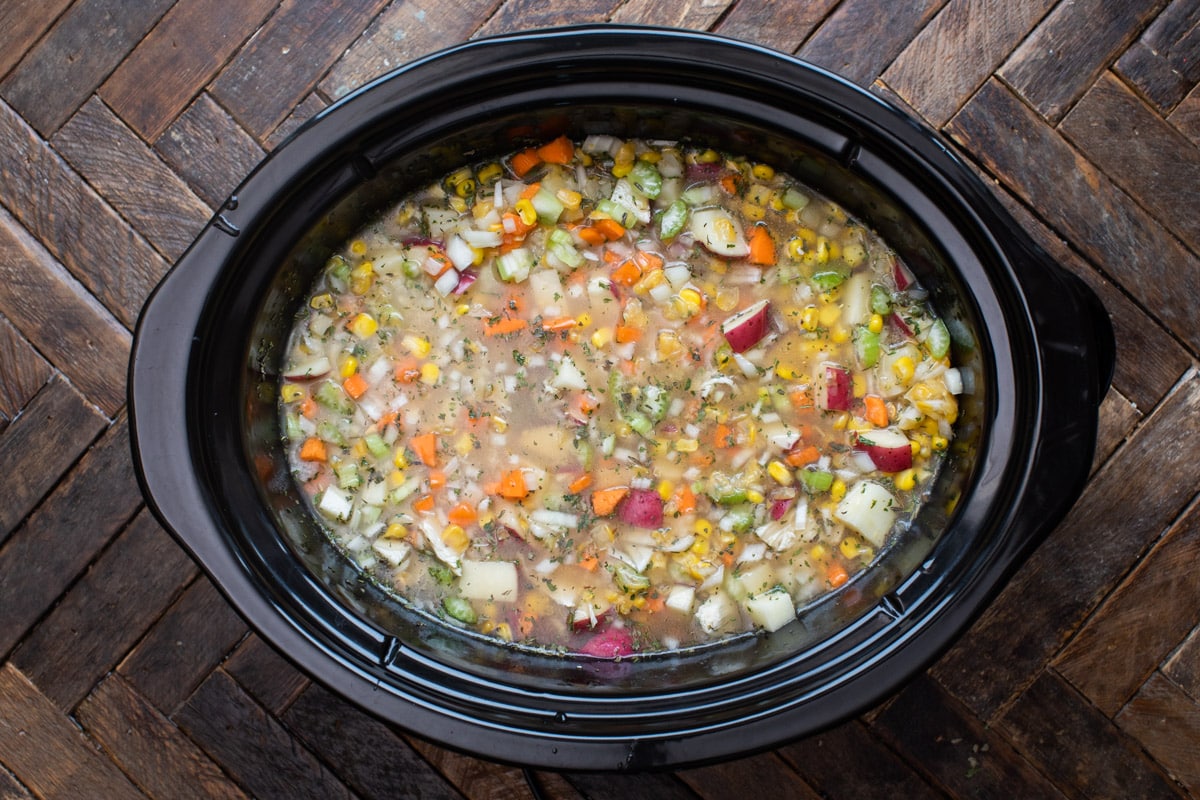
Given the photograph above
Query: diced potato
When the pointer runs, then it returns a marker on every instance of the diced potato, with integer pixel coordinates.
(718, 613)
(870, 509)
(770, 610)
(393, 551)
(489, 580)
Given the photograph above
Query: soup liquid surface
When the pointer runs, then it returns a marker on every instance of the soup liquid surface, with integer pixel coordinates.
(615, 396)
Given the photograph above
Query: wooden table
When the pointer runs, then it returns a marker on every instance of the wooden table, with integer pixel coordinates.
(124, 124)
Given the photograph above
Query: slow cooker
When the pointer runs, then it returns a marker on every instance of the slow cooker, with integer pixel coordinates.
(1034, 345)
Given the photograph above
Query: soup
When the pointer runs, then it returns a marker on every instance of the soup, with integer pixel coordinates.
(614, 396)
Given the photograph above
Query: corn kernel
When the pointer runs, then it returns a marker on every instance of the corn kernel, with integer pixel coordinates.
(905, 481)
(397, 476)
(849, 547)
(489, 172)
(570, 199)
(708, 157)
(601, 337)
(665, 490)
(780, 472)
(482, 208)
(347, 366)
(939, 443)
(821, 253)
(841, 420)
(818, 552)
(795, 248)
(915, 446)
(754, 496)
(699, 546)
(455, 538)
(463, 445)
(395, 531)
(753, 212)
(321, 301)
(687, 445)
(692, 297)
(875, 324)
(290, 393)
(399, 459)
(648, 281)
(430, 373)
(838, 490)
(787, 372)
(904, 368)
(764, 172)
(504, 631)
(810, 318)
(702, 527)
(727, 538)
(363, 325)
(829, 314)
(499, 424)
(526, 211)
(359, 449)
(416, 345)
(840, 334)
(727, 298)
(854, 254)
(461, 309)
(859, 383)
(622, 169)
(459, 204)
(358, 247)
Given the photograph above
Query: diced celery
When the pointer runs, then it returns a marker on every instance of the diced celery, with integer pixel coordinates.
(368, 515)
(460, 609)
(794, 199)
(292, 426)
(405, 490)
(740, 518)
(329, 432)
(881, 300)
(548, 207)
(629, 579)
(514, 266)
(816, 480)
(725, 491)
(375, 443)
(866, 347)
(347, 475)
(330, 395)
(640, 423)
(645, 179)
(621, 213)
(938, 340)
(562, 246)
(674, 217)
(655, 401)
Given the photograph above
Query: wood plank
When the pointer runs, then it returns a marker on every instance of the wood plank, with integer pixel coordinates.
(1125, 640)
(309, 108)
(1166, 722)
(731, 778)
(1071, 48)
(135, 181)
(1118, 418)
(209, 150)
(1101, 761)
(148, 746)
(1149, 360)
(696, 15)
(782, 26)
(86, 43)
(966, 758)
(858, 42)
(11, 788)
(366, 754)
(1183, 667)
(517, 15)
(252, 746)
(22, 23)
(401, 33)
(47, 752)
(1114, 129)
(67, 324)
(58, 540)
(285, 59)
(627, 786)
(1186, 116)
(41, 445)
(187, 643)
(1082, 204)
(475, 777)
(23, 372)
(103, 614)
(184, 51)
(953, 55)
(1126, 506)
(50, 199)
(266, 675)
(876, 773)
(1164, 64)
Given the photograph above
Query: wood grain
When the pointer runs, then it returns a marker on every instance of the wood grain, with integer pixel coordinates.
(148, 746)
(1183, 667)
(1134, 498)
(67, 325)
(1118, 418)
(127, 173)
(858, 42)
(22, 23)
(523, 15)
(252, 746)
(1070, 48)
(209, 150)
(41, 445)
(59, 72)
(186, 49)
(729, 778)
(1101, 762)
(1186, 116)
(401, 33)
(1112, 127)
(58, 540)
(50, 200)
(782, 26)
(185, 644)
(1080, 202)
(953, 55)
(23, 372)
(693, 14)
(286, 59)
(47, 752)
(1167, 723)
(1163, 63)
(265, 674)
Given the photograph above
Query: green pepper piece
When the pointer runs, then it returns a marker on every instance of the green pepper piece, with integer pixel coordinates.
(866, 346)
(881, 300)
(672, 221)
(938, 340)
(826, 280)
(330, 395)
(460, 609)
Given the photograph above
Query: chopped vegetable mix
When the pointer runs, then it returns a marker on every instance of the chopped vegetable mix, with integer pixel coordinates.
(616, 396)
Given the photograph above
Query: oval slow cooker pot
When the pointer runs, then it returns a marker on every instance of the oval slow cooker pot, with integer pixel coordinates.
(1034, 345)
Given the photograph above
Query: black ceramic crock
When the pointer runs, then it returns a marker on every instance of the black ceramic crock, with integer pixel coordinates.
(1033, 343)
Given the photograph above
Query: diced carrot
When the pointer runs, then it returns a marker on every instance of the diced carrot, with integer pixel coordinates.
(655, 603)
(627, 333)
(514, 225)
(876, 411)
(627, 274)
(504, 326)
(628, 367)
(805, 455)
(387, 419)
(408, 370)
(762, 247)
(308, 407)
(836, 575)
(800, 399)
(559, 151)
(729, 184)
(685, 500)
(355, 385)
(559, 324)
(727, 559)
(437, 480)
(604, 501)
(425, 446)
(313, 449)
(513, 486)
(579, 484)
(530, 190)
(463, 514)
(647, 261)
(723, 436)
(424, 504)
(589, 562)
(524, 161)
(583, 405)
(592, 235)
(611, 229)
(701, 458)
